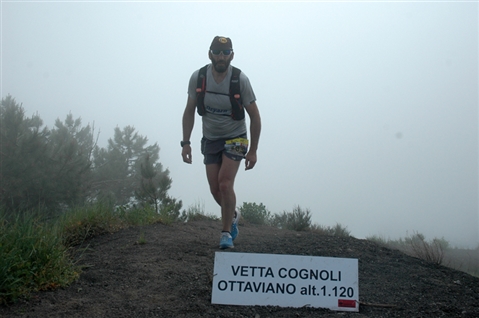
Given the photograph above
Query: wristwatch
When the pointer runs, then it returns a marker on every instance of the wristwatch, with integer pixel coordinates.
(183, 143)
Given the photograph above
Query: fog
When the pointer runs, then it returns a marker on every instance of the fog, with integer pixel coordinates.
(369, 110)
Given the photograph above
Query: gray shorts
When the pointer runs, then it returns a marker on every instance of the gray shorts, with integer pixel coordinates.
(233, 148)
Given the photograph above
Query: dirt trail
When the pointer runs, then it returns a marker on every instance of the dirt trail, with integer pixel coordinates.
(170, 275)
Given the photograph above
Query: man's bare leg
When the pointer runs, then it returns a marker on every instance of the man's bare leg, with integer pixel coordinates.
(221, 180)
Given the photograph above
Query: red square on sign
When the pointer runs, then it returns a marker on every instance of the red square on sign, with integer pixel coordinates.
(346, 303)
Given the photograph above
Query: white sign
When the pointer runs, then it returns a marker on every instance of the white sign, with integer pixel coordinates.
(285, 280)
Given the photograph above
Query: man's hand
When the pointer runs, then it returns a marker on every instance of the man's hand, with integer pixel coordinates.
(188, 122)
(250, 160)
(255, 128)
(186, 154)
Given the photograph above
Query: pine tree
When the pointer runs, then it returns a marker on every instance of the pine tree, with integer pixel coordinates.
(154, 183)
(24, 160)
(116, 168)
(39, 167)
(59, 168)
(71, 147)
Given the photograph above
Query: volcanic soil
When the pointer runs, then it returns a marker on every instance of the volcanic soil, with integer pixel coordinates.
(166, 271)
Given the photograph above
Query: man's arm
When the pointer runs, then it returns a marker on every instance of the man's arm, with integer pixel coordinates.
(255, 130)
(188, 123)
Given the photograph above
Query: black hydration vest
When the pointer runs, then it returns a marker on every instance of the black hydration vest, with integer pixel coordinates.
(237, 109)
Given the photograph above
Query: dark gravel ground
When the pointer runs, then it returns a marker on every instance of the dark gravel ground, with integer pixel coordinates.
(170, 275)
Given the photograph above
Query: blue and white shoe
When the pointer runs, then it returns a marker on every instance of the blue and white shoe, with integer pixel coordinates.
(234, 226)
(226, 241)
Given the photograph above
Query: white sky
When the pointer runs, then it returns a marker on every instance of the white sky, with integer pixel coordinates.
(369, 109)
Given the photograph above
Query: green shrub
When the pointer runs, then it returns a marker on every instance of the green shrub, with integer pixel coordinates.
(170, 210)
(196, 212)
(254, 213)
(33, 258)
(297, 220)
(337, 230)
(138, 216)
(432, 251)
(280, 220)
(83, 223)
(34, 252)
(377, 239)
(416, 245)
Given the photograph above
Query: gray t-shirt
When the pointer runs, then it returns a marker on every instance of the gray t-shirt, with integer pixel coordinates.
(217, 122)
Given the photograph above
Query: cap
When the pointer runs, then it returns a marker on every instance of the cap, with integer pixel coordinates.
(221, 43)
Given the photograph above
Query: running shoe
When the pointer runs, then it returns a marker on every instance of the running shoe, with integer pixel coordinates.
(234, 226)
(226, 241)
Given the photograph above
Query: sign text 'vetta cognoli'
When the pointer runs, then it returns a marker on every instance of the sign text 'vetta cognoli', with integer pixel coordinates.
(242, 285)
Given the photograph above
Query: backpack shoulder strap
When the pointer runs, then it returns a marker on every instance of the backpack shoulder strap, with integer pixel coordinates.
(235, 95)
(201, 90)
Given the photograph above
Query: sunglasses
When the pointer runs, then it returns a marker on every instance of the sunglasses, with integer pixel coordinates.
(225, 52)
